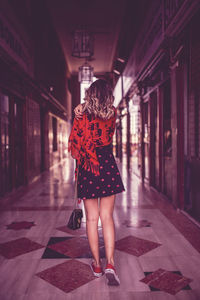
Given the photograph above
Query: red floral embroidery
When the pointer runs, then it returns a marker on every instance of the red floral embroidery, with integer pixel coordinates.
(87, 134)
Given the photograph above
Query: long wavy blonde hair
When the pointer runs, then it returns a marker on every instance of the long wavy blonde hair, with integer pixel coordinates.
(99, 99)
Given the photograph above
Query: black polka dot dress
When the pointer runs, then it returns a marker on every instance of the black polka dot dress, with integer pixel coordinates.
(109, 181)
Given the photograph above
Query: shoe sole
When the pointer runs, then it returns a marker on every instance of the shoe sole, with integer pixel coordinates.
(112, 278)
(96, 274)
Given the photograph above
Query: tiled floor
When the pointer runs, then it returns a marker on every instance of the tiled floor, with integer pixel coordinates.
(157, 250)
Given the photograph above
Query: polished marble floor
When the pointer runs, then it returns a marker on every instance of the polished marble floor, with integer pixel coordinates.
(157, 250)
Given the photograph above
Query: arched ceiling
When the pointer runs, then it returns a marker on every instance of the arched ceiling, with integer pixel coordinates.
(102, 17)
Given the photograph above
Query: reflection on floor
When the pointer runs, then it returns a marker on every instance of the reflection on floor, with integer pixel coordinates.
(157, 249)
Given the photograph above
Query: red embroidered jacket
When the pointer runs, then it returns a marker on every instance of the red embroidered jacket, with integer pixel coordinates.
(87, 134)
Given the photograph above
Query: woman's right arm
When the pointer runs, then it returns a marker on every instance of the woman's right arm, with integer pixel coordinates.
(78, 111)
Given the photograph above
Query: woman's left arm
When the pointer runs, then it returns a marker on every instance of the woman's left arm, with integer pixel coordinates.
(75, 139)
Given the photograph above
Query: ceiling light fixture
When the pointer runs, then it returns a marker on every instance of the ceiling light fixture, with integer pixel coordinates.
(83, 44)
(85, 74)
(116, 72)
(121, 60)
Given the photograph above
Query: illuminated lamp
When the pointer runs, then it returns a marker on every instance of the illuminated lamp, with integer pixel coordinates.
(85, 74)
(116, 72)
(121, 60)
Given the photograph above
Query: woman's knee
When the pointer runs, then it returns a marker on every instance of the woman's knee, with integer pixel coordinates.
(92, 216)
(106, 215)
(91, 211)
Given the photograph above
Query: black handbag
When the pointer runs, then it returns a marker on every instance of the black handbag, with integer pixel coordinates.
(77, 214)
(75, 219)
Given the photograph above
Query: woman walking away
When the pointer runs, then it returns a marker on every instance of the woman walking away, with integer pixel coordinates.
(90, 143)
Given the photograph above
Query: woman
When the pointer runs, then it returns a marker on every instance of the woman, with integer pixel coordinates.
(90, 143)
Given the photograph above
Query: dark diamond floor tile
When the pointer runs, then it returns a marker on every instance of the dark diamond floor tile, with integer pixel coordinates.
(80, 231)
(20, 225)
(54, 240)
(17, 247)
(66, 276)
(73, 247)
(135, 246)
(187, 287)
(167, 281)
(49, 253)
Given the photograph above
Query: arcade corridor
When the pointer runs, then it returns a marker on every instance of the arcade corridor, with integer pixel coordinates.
(42, 259)
(148, 51)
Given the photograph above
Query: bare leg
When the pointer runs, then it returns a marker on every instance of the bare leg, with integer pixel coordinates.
(106, 215)
(92, 217)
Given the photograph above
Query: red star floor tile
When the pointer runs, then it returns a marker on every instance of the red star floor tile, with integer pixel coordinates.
(17, 247)
(20, 225)
(166, 281)
(66, 276)
(135, 246)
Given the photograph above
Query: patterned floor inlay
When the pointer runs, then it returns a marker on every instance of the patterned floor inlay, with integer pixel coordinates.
(135, 246)
(66, 276)
(168, 281)
(80, 231)
(20, 225)
(17, 247)
(137, 224)
(182, 223)
(71, 247)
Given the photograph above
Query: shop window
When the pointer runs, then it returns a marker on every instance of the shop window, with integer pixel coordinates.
(5, 177)
(55, 142)
(167, 141)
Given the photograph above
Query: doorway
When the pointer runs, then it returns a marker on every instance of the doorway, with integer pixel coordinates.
(18, 145)
(11, 143)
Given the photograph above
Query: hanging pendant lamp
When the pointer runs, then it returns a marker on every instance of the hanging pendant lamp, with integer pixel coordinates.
(85, 74)
(83, 44)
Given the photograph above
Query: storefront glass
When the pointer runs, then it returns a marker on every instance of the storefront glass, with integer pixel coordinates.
(5, 184)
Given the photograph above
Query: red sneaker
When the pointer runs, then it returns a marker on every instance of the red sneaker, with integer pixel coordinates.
(111, 276)
(97, 271)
